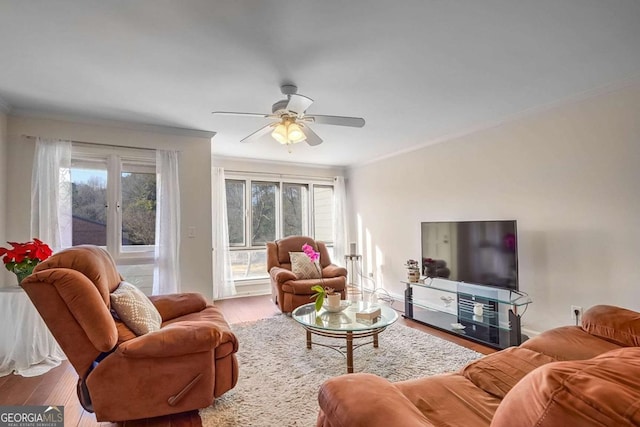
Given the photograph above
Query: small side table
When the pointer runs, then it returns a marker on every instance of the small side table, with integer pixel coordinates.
(26, 344)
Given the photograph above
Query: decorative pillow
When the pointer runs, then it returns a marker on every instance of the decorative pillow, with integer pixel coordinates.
(302, 266)
(134, 308)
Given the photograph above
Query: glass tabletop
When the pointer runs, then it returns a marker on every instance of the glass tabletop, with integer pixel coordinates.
(346, 320)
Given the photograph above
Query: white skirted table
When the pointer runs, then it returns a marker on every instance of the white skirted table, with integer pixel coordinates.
(26, 345)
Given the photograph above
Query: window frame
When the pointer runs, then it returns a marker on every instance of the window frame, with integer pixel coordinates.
(115, 160)
(280, 181)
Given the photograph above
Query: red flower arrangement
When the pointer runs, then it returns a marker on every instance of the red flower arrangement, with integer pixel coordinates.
(24, 257)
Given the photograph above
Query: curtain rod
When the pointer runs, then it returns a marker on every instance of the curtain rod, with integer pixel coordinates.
(278, 175)
(96, 143)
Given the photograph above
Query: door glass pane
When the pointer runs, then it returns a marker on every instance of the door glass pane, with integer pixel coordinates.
(249, 264)
(235, 211)
(138, 208)
(294, 209)
(263, 212)
(140, 275)
(88, 206)
(323, 212)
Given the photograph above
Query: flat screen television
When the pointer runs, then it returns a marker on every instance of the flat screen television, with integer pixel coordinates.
(475, 252)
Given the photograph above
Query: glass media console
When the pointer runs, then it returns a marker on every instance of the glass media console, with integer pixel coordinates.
(449, 306)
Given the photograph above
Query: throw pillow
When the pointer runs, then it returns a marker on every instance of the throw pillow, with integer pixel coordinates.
(302, 266)
(134, 308)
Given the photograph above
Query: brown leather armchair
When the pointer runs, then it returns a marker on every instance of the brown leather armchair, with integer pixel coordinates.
(288, 291)
(183, 366)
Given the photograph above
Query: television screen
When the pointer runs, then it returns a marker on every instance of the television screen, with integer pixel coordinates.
(477, 252)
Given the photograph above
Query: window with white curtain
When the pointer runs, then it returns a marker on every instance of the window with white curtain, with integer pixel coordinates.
(261, 209)
(114, 206)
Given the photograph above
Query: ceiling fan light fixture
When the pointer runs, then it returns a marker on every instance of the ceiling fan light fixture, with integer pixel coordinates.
(290, 121)
(288, 132)
(295, 134)
(280, 133)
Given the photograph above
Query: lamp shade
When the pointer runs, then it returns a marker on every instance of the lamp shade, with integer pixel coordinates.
(295, 134)
(280, 133)
(288, 132)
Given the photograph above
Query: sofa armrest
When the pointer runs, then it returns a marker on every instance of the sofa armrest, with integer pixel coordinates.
(348, 400)
(175, 305)
(614, 324)
(333, 270)
(281, 275)
(176, 339)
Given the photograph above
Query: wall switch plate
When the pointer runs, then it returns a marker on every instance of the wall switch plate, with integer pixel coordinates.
(191, 232)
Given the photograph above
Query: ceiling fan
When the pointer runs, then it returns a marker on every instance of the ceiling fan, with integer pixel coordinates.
(292, 123)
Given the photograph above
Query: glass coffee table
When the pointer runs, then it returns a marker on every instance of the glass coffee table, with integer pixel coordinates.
(343, 325)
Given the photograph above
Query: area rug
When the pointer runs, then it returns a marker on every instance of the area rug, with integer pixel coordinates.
(279, 377)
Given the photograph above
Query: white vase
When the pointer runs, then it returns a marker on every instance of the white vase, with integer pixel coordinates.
(478, 309)
(333, 300)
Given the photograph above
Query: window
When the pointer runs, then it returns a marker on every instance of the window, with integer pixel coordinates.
(235, 211)
(261, 210)
(113, 205)
(323, 212)
(295, 209)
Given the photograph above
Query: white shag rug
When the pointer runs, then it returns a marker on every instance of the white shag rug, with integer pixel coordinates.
(279, 377)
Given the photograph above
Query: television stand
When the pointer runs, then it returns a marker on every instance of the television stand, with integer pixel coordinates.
(448, 306)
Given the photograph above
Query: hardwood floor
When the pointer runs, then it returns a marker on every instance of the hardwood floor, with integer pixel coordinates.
(57, 387)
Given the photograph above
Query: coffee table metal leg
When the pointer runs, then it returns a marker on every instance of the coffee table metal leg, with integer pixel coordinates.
(349, 352)
(375, 340)
(308, 339)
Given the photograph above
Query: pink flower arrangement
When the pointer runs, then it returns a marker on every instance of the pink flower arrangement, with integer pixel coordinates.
(310, 252)
(320, 291)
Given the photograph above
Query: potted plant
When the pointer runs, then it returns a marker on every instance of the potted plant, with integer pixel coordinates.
(321, 292)
(23, 257)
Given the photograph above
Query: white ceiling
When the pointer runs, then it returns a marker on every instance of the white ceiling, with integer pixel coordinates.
(416, 70)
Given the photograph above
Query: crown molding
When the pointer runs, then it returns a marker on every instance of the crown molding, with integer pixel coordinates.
(5, 107)
(215, 158)
(143, 127)
(599, 91)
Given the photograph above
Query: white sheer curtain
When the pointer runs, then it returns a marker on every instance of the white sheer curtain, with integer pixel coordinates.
(339, 220)
(223, 285)
(166, 274)
(51, 193)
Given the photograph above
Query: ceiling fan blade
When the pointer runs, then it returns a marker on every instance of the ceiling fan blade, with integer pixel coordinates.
(259, 133)
(233, 113)
(356, 122)
(298, 103)
(312, 138)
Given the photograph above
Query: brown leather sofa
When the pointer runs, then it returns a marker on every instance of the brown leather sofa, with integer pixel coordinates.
(573, 376)
(287, 290)
(183, 366)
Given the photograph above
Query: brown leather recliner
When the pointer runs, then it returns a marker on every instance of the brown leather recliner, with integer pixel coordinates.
(288, 291)
(183, 366)
(583, 376)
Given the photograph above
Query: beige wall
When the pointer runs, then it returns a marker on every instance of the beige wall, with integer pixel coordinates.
(569, 175)
(195, 181)
(4, 274)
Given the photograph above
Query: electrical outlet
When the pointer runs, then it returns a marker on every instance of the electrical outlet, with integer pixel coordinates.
(576, 313)
(371, 275)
